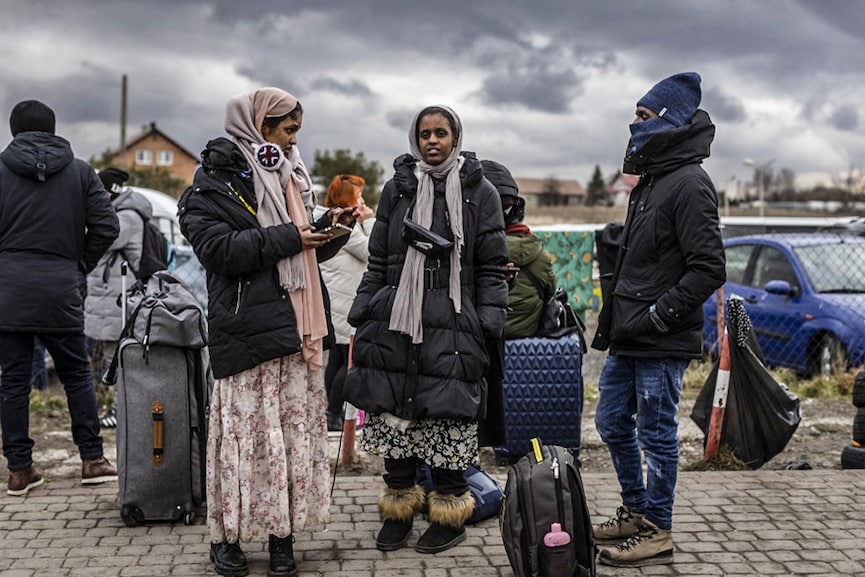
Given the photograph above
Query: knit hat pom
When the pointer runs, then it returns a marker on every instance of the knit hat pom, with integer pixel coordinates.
(675, 99)
(31, 115)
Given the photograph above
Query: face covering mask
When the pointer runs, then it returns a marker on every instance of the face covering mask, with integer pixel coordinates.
(642, 132)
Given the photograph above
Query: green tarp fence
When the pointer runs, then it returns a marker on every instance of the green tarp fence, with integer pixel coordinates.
(572, 250)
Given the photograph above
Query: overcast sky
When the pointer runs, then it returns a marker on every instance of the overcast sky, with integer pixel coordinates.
(548, 87)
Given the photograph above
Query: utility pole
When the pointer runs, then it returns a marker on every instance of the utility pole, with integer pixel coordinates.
(121, 157)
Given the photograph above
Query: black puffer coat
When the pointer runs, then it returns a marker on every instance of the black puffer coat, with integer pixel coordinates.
(56, 220)
(250, 317)
(443, 377)
(672, 253)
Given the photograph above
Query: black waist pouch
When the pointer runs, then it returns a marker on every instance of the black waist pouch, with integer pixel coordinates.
(424, 240)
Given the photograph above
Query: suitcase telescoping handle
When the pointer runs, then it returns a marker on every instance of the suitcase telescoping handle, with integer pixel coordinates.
(156, 410)
(124, 270)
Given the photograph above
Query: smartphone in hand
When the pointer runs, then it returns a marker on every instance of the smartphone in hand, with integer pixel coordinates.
(336, 230)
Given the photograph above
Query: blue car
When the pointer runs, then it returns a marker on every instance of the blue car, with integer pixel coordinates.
(805, 296)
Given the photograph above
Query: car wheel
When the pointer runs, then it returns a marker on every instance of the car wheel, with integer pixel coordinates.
(852, 457)
(859, 426)
(859, 390)
(830, 357)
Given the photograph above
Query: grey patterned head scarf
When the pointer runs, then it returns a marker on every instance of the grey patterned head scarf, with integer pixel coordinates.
(406, 315)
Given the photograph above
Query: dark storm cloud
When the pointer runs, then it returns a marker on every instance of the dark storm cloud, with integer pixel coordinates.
(723, 107)
(845, 118)
(400, 119)
(354, 88)
(527, 75)
(71, 95)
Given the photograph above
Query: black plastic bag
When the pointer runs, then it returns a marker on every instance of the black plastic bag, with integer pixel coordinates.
(761, 414)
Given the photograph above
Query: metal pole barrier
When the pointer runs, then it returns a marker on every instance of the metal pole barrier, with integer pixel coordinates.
(719, 404)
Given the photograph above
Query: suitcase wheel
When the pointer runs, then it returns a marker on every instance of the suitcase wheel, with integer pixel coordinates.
(189, 518)
(132, 516)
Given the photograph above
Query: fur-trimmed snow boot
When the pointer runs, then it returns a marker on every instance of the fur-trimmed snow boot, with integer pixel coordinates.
(398, 508)
(448, 515)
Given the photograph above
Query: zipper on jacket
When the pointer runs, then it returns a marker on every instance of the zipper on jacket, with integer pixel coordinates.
(239, 294)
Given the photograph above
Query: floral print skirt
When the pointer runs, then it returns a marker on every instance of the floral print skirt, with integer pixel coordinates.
(268, 458)
(440, 443)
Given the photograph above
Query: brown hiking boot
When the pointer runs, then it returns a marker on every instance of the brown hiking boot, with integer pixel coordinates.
(618, 527)
(650, 546)
(21, 481)
(95, 471)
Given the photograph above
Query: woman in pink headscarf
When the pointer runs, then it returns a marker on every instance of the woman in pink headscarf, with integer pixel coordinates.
(248, 216)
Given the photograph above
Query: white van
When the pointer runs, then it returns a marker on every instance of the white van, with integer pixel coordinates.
(164, 213)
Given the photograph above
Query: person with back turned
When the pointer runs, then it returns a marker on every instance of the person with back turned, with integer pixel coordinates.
(56, 221)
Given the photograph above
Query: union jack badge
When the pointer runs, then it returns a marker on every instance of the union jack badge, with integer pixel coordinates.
(269, 156)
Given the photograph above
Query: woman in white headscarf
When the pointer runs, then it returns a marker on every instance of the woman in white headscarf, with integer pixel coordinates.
(434, 293)
(247, 215)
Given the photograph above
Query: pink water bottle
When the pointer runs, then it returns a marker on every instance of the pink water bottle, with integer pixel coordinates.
(557, 557)
(556, 537)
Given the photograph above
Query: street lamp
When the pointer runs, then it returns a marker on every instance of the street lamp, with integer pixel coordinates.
(761, 170)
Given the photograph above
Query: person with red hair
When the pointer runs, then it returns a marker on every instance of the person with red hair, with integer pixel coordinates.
(342, 275)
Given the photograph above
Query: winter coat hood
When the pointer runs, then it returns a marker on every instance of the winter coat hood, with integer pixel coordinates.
(132, 200)
(673, 148)
(37, 155)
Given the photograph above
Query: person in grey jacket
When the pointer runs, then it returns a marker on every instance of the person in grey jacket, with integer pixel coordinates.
(670, 261)
(56, 221)
(103, 320)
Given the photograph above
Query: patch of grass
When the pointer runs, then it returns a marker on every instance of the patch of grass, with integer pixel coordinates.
(47, 401)
(53, 399)
(725, 460)
(837, 386)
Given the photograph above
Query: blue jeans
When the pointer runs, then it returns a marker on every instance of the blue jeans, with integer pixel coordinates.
(637, 409)
(73, 369)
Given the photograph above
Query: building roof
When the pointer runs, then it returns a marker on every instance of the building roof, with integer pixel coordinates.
(149, 130)
(535, 186)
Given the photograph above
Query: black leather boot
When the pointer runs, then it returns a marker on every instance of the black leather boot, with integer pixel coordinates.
(281, 557)
(228, 559)
(398, 508)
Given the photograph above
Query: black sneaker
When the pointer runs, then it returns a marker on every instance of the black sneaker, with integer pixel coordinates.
(109, 421)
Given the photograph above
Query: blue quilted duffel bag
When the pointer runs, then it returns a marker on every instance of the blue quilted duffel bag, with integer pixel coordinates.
(486, 491)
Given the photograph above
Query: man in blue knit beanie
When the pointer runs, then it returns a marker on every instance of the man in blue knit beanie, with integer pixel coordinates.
(670, 261)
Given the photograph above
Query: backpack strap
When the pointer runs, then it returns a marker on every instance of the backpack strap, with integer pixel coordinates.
(110, 375)
(537, 284)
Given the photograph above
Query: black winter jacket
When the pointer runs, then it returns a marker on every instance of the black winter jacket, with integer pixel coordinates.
(442, 377)
(672, 254)
(250, 317)
(56, 221)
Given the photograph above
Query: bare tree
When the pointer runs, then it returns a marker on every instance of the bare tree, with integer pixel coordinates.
(852, 185)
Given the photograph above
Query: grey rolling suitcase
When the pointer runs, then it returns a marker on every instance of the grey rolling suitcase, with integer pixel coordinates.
(162, 397)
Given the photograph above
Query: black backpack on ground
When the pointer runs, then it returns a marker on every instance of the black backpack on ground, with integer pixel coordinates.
(545, 488)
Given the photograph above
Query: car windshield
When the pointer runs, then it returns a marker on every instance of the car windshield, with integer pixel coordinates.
(846, 275)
